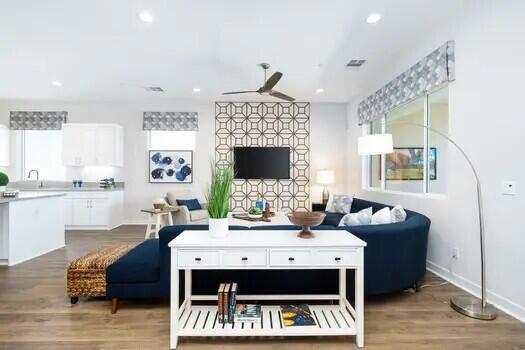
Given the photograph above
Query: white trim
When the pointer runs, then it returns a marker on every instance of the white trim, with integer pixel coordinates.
(437, 196)
(7, 262)
(504, 304)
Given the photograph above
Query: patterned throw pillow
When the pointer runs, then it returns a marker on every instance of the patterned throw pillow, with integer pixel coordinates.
(340, 203)
(398, 214)
(363, 217)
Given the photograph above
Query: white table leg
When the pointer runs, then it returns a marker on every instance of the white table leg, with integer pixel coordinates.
(170, 219)
(187, 288)
(148, 228)
(174, 301)
(359, 299)
(342, 288)
(158, 225)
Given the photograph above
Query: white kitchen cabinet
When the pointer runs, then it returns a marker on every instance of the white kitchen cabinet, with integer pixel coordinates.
(93, 210)
(92, 144)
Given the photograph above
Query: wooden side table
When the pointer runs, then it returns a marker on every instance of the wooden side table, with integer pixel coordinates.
(155, 220)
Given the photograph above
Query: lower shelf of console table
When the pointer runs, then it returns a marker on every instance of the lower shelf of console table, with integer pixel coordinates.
(198, 321)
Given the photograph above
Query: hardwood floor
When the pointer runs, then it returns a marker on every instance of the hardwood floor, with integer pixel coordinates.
(35, 313)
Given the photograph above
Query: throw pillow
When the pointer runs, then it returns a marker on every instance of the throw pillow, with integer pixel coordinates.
(340, 203)
(382, 217)
(363, 217)
(192, 204)
(398, 214)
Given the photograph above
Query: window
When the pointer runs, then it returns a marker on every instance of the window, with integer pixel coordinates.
(42, 151)
(407, 169)
(171, 140)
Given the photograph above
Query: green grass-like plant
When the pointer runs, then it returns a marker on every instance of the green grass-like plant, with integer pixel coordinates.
(4, 179)
(219, 191)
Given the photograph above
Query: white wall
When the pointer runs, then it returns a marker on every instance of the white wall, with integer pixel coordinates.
(327, 144)
(486, 118)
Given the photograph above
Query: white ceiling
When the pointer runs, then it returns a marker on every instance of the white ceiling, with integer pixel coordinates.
(99, 49)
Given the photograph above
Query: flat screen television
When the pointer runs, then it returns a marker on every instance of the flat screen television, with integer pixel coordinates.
(262, 162)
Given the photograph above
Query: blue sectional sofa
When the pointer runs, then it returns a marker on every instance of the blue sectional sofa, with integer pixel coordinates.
(395, 259)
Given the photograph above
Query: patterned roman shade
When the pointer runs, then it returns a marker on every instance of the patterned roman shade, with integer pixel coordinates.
(433, 71)
(23, 120)
(176, 121)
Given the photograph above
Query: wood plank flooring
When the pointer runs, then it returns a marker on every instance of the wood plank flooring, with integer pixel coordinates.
(35, 313)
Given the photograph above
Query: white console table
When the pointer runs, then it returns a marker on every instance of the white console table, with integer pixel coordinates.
(267, 250)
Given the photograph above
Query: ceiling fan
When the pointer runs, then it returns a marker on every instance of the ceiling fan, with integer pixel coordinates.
(267, 88)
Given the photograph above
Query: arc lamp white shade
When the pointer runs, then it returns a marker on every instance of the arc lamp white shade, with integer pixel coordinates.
(376, 144)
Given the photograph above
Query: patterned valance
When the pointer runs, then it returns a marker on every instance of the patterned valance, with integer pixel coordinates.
(23, 120)
(434, 70)
(177, 121)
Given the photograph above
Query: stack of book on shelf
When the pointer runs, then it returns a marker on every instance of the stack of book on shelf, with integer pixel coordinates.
(226, 300)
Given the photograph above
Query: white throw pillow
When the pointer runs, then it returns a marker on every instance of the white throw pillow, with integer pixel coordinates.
(340, 203)
(398, 214)
(363, 217)
(382, 217)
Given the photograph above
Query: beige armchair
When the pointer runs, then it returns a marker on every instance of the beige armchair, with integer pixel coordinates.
(184, 216)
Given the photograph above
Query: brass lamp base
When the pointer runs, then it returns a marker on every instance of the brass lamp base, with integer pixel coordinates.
(471, 306)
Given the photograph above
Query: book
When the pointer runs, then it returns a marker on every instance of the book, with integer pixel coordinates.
(220, 298)
(225, 295)
(232, 299)
(297, 315)
(247, 313)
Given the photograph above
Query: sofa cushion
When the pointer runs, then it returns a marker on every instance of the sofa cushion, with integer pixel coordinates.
(332, 219)
(141, 264)
(197, 215)
(191, 204)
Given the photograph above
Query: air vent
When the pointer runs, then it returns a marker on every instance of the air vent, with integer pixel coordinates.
(154, 88)
(355, 63)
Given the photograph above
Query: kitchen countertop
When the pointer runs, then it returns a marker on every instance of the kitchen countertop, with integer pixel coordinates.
(25, 195)
(67, 189)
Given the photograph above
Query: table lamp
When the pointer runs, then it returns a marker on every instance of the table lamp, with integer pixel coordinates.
(325, 177)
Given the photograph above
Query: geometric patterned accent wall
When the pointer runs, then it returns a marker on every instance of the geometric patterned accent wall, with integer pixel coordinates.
(259, 124)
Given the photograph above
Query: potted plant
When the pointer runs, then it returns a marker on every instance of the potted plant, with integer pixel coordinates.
(4, 180)
(218, 197)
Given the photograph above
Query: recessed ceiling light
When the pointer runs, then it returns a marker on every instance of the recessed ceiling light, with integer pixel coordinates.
(374, 17)
(319, 90)
(56, 83)
(146, 17)
(196, 90)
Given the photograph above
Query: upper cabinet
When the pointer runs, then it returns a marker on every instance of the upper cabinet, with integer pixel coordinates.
(4, 145)
(92, 144)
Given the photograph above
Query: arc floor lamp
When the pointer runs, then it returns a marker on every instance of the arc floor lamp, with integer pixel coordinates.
(467, 305)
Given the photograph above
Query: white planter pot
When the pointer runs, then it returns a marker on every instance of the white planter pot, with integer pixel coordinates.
(218, 227)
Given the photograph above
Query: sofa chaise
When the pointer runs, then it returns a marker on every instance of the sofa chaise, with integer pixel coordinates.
(395, 259)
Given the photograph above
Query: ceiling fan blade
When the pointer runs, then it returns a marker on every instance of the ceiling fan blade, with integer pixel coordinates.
(270, 83)
(237, 92)
(281, 96)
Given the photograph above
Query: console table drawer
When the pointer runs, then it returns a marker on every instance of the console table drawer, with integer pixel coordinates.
(250, 257)
(335, 257)
(291, 257)
(198, 258)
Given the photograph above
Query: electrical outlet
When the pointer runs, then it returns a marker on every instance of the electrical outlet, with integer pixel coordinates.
(508, 188)
(455, 253)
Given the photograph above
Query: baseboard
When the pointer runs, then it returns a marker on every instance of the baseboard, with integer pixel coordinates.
(36, 256)
(504, 304)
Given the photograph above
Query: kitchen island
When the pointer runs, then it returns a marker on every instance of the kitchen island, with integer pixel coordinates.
(31, 224)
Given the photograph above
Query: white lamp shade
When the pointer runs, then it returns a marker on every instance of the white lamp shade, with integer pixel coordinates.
(325, 177)
(370, 145)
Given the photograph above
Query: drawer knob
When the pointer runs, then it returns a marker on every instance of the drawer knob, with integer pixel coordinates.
(291, 259)
(244, 258)
(337, 258)
(197, 259)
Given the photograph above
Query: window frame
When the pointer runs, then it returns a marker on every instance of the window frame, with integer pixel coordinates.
(367, 161)
(22, 170)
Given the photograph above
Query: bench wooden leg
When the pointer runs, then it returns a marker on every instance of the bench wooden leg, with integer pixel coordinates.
(74, 300)
(114, 305)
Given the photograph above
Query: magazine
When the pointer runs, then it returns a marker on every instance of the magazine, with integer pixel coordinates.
(297, 315)
(247, 313)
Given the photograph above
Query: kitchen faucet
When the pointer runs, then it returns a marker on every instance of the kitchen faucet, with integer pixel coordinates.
(39, 184)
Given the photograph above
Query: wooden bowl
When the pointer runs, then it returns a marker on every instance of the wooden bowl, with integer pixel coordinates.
(306, 219)
(159, 206)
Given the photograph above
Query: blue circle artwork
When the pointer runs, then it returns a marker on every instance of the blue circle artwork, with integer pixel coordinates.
(170, 166)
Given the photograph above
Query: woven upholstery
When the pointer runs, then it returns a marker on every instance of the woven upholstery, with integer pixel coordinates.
(86, 276)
